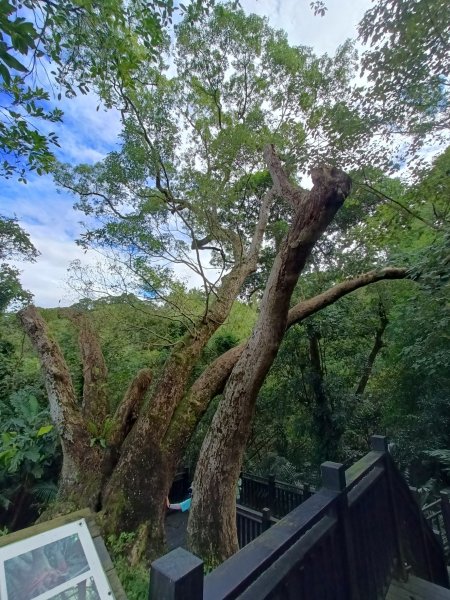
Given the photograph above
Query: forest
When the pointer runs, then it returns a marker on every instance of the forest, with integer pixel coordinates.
(306, 195)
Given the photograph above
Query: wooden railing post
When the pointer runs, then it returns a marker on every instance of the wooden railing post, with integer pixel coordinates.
(306, 492)
(333, 479)
(266, 519)
(271, 492)
(176, 576)
(379, 443)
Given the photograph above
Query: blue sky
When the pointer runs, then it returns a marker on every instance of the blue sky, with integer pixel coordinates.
(86, 135)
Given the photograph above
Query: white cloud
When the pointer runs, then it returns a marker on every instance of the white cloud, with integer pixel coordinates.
(47, 277)
(86, 133)
(324, 34)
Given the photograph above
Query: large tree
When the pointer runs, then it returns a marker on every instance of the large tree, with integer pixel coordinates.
(408, 97)
(223, 449)
(190, 186)
(190, 182)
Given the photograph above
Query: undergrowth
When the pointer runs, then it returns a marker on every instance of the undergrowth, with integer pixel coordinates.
(134, 579)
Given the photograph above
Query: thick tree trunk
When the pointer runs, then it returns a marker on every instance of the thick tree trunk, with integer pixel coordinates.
(212, 523)
(80, 478)
(132, 497)
(166, 458)
(213, 379)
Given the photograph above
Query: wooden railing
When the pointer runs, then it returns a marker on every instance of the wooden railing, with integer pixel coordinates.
(251, 523)
(345, 542)
(256, 492)
(281, 498)
(437, 514)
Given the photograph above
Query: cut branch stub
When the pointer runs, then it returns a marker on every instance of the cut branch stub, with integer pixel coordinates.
(64, 410)
(58, 381)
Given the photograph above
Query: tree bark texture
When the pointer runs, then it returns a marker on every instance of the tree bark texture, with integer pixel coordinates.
(86, 465)
(81, 469)
(135, 494)
(212, 523)
(164, 462)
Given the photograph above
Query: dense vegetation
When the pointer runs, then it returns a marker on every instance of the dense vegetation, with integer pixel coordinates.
(307, 334)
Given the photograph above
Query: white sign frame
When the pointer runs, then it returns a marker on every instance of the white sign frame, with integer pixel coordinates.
(79, 528)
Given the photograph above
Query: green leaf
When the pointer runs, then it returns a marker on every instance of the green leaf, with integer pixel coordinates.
(14, 63)
(32, 454)
(43, 430)
(5, 74)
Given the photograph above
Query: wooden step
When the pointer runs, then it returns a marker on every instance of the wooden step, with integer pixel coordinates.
(417, 589)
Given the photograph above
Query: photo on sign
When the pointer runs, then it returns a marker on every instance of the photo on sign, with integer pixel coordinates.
(85, 590)
(40, 570)
(58, 564)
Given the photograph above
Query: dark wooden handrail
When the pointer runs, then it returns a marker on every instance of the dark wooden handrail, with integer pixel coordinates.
(252, 523)
(347, 541)
(259, 492)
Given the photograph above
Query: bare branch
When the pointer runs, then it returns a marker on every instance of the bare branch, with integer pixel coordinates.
(58, 380)
(282, 186)
(261, 225)
(200, 244)
(377, 346)
(402, 206)
(306, 308)
(64, 410)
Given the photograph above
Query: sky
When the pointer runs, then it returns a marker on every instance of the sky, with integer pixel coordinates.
(87, 135)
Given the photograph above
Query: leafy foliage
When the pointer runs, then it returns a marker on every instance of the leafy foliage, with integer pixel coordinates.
(156, 206)
(15, 244)
(84, 42)
(27, 450)
(407, 64)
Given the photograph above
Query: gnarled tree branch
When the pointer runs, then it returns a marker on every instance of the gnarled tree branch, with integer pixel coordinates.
(281, 184)
(306, 308)
(65, 413)
(128, 410)
(95, 372)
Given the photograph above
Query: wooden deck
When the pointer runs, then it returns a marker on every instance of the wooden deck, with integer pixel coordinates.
(176, 526)
(416, 589)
